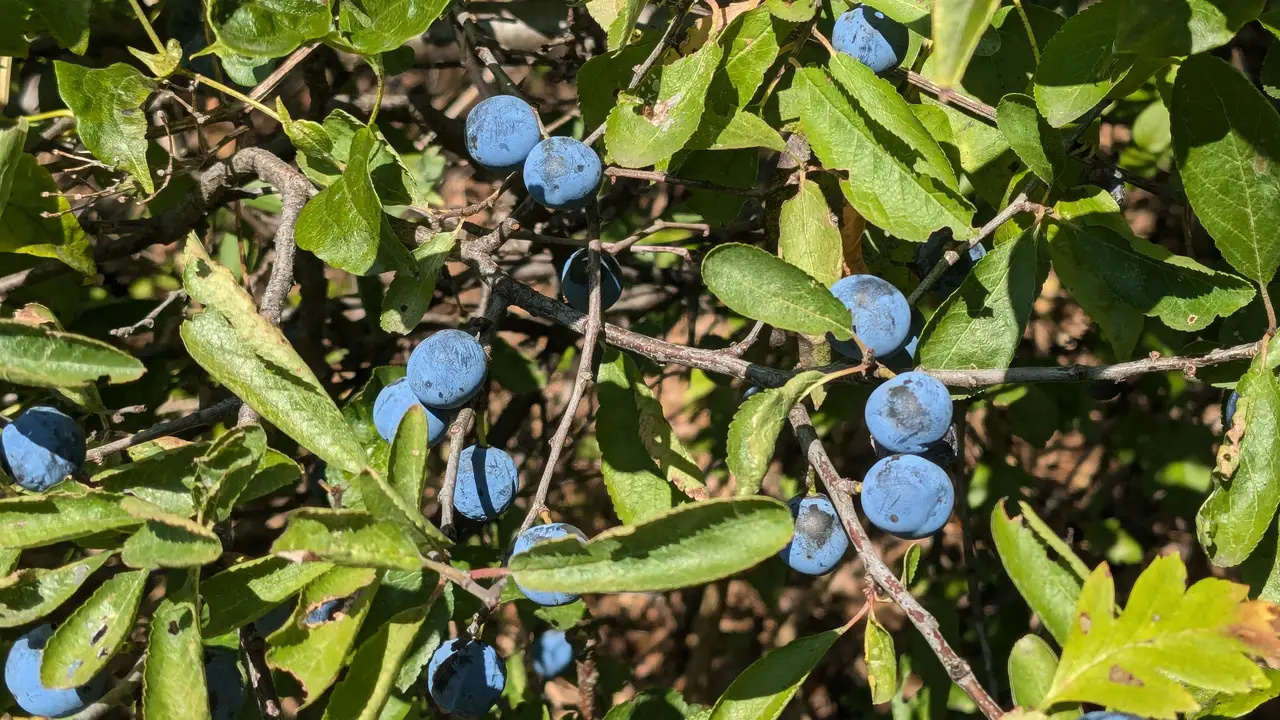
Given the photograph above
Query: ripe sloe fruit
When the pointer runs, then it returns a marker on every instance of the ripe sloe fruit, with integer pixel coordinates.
(535, 535)
(42, 447)
(904, 358)
(819, 541)
(446, 369)
(487, 483)
(940, 453)
(552, 653)
(575, 281)
(501, 131)
(22, 678)
(907, 496)
(881, 316)
(909, 413)
(930, 252)
(1229, 409)
(872, 39)
(323, 613)
(466, 677)
(1105, 390)
(224, 683)
(562, 173)
(394, 401)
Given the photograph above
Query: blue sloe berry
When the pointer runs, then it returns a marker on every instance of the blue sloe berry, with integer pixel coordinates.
(819, 541)
(42, 447)
(534, 535)
(487, 483)
(1229, 409)
(552, 653)
(393, 401)
(909, 413)
(751, 391)
(930, 252)
(908, 496)
(871, 38)
(941, 453)
(562, 173)
(447, 369)
(224, 683)
(466, 677)
(881, 315)
(323, 613)
(22, 678)
(501, 131)
(575, 281)
(904, 358)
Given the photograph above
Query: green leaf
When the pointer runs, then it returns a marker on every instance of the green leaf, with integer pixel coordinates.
(165, 479)
(161, 64)
(1226, 136)
(167, 540)
(408, 297)
(808, 236)
(347, 537)
(314, 654)
(981, 324)
(173, 682)
(1243, 503)
(796, 11)
(1182, 293)
(326, 149)
(690, 545)
(407, 466)
(107, 103)
(1036, 143)
(276, 470)
(344, 224)
(84, 642)
(660, 704)
(1032, 664)
(600, 78)
(763, 690)
(1175, 28)
(31, 593)
(268, 28)
(882, 661)
(635, 483)
(24, 226)
(1050, 586)
(363, 692)
(66, 20)
(911, 563)
(1080, 64)
(386, 504)
(36, 521)
(754, 283)
(227, 468)
(247, 353)
(243, 593)
(1121, 322)
(958, 25)
(1168, 636)
(755, 428)
(1234, 705)
(617, 17)
(750, 45)
(895, 186)
(640, 133)
(39, 356)
(378, 26)
(12, 140)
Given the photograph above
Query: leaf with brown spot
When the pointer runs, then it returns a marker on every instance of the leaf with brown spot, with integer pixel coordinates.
(1169, 638)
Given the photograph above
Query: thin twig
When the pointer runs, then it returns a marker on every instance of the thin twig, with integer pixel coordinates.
(740, 348)
(950, 97)
(457, 439)
(950, 257)
(150, 320)
(957, 668)
(253, 651)
(489, 596)
(661, 177)
(264, 88)
(1271, 311)
(186, 422)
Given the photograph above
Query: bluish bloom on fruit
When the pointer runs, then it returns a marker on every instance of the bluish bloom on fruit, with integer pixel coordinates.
(42, 447)
(487, 483)
(501, 131)
(1229, 409)
(393, 401)
(575, 281)
(552, 653)
(941, 453)
(930, 252)
(871, 38)
(22, 678)
(225, 684)
(751, 391)
(909, 413)
(908, 496)
(535, 535)
(466, 677)
(819, 540)
(447, 369)
(904, 358)
(323, 613)
(881, 315)
(562, 173)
